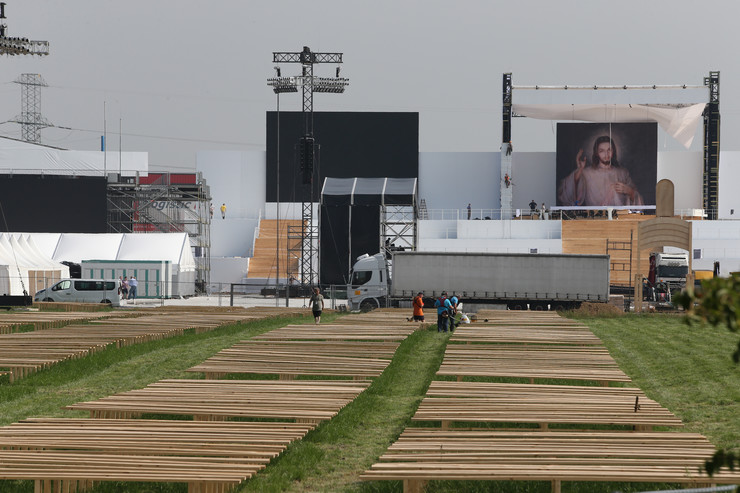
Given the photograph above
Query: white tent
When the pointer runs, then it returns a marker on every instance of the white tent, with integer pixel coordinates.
(24, 267)
(167, 257)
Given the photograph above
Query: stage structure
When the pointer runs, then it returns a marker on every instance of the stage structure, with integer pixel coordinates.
(365, 216)
(307, 147)
(677, 109)
(164, 203)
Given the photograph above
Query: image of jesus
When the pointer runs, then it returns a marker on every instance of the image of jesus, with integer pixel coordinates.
(602, 182)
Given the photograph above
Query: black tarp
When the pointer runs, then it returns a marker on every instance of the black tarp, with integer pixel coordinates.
(350, 220)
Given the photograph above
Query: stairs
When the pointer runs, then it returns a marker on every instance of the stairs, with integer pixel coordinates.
(263, 264)
(592, 235)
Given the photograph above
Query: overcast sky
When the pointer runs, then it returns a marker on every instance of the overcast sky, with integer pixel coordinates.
(182, 76)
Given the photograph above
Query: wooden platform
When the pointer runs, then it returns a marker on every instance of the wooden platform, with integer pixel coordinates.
(482, 402)
(356, 359)
(24, 353)
(340, 332)
(422, 455)
(302, 401)
(524, 335)
(580, 363)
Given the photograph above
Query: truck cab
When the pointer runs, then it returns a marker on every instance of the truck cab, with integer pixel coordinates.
(667, 276)
(368, 287)
(672, 269)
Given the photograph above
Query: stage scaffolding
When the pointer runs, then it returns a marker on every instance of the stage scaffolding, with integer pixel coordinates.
(164, 203)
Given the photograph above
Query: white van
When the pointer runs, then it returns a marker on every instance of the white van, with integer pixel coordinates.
(82, 291)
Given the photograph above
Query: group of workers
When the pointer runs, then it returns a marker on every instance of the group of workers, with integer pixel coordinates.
(447, 309)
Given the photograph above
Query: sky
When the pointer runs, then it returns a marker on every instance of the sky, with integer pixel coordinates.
(172, 78)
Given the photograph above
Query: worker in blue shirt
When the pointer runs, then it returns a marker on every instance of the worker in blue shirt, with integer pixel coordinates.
(444, 308)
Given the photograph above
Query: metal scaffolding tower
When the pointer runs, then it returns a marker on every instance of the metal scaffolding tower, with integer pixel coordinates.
(307, 146)
(30, 118)
(164, 205)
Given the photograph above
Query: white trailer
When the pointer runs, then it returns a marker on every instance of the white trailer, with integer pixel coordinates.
(519, 281)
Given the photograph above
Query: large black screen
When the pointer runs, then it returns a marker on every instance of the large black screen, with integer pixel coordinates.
(364, 145)
(53, 204)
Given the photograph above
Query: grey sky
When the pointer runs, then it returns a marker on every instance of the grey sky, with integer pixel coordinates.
(184, 76)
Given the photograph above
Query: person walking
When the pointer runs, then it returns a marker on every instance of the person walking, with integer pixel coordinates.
(469, 211)
(317, 305)
(124, 288)
(223, 211)
(418, 307)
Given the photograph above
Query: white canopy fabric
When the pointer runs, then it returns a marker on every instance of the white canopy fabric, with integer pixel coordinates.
(29, 158)
(680, 123)
(76, 247)
(19, 256)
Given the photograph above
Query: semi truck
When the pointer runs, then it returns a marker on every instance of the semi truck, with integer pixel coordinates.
(520, 281)
(667, 276)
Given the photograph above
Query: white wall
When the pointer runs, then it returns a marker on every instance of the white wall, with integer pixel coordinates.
(533, 175)
(451, 180)
(225, 270)
(729, 178)
(685, 170)
(236, 178)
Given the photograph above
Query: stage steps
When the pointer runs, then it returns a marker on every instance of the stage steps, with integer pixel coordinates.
(263, 263)
(591, 236)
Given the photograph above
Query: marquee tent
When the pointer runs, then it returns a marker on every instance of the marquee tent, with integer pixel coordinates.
(23, 266)
(123, 254)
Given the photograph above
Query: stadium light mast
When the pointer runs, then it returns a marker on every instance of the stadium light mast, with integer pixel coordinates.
(307, 145)
(18, 46)
(30, 118)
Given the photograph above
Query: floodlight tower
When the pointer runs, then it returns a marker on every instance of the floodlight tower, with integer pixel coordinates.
(30, 118)
(18, 46)
(307, 144)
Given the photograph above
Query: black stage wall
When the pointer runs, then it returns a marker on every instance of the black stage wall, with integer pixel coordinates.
(337, 253)
(364, 145)
(53, 204)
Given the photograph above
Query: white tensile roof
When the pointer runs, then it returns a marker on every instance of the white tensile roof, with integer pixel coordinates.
(76, 247)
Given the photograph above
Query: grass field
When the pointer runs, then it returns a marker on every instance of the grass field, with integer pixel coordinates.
(688, 369)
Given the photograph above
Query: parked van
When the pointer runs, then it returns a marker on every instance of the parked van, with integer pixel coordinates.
(82, 291)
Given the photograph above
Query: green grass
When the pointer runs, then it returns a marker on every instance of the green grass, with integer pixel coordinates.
(688, 369)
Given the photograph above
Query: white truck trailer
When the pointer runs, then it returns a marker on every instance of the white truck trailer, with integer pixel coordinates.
(518, 280)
